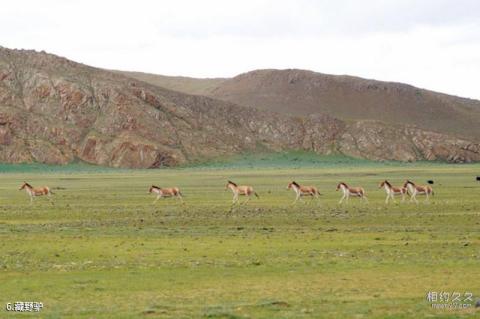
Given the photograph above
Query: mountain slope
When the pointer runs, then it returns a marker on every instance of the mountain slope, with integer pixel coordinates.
(177, 83)
(302, 92)
(53, 110)
(351, 98)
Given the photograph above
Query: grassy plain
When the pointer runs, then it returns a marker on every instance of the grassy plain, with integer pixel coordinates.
(103, 250)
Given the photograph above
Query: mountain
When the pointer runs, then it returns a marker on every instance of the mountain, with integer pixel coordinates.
(177, 83)
(53, 110)
(301, 92)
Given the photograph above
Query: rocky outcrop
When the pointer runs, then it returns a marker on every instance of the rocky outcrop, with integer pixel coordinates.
(53, 110)
(377, 141)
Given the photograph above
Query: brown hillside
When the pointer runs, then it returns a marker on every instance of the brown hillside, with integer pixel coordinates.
(53, 110)
(352, 98)
(177, 83)
(302, 92)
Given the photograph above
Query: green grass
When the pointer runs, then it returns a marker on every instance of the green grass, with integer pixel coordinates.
(297, 160)
(102, 250)
(56, 169)
(290, 159)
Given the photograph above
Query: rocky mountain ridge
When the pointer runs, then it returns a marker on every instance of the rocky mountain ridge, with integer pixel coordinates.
(56, 111)
(301, 92)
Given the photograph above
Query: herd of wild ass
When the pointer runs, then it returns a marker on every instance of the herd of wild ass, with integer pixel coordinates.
(408, 188)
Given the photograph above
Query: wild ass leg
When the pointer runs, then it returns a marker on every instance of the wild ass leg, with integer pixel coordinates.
(341, 199)
(49, 196)
(317, 198)
(248, 198)
(414, 198)
(302, 200)
(312, 198)
(392, 196)
(297, 196)
(235, 198)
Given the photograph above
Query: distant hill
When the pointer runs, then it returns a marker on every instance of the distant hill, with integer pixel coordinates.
(301, 92)
(56, 111)
(177, 83)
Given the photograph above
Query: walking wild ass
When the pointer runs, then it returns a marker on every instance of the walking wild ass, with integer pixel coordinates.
(415, 190)
(240, 190)
(303, 191)
(393, 191)
(35, 191)
(351, 191)
(165, 192)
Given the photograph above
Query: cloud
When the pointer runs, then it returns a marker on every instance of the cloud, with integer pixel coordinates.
(431, 44)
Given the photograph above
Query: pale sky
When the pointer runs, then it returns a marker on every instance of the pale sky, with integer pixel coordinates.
(433, 44)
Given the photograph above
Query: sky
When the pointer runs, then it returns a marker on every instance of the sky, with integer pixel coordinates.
(432, 44)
